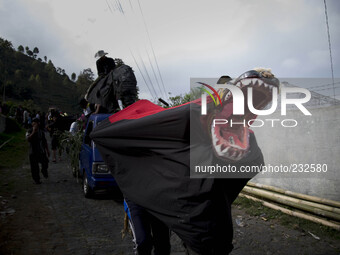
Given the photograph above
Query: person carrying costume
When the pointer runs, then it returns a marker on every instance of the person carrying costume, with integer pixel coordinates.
(150, 233)
(104, 66)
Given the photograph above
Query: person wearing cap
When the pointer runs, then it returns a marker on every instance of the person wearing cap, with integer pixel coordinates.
(104, 64)
(39, 152)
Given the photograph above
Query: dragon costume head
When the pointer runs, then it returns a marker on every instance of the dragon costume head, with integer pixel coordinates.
(231, 140)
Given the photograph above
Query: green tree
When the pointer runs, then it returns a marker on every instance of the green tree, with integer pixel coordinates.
(18, 75)
(29, 53)
(66, 81)
(27, 49)
(86, 75)
(21, 49)
(28, 104)
(7, 45)
(176, 100)
(194, 93)
(36, 66)
(73, 76)
(32, 79)
(50, 67)
(35, 52)
(45, 58)
(85, 79)
(38, 80)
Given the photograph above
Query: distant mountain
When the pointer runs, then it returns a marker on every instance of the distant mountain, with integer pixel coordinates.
(27, 77)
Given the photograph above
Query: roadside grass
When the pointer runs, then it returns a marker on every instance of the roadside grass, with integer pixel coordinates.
(15, 151)
(12, 156)
(254, 208)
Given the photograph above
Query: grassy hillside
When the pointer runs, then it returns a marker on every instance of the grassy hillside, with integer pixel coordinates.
(27, 77)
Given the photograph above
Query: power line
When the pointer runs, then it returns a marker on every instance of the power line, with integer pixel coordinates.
(330, 48)
(152, 91)
(153, 52)
(141, 59)
(141, 73)
(147, 73)
(153, 71)
(109, 6)
(120, 7)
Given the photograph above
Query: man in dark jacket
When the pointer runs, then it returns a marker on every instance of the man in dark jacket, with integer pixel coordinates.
(39, 151)
(104, 64)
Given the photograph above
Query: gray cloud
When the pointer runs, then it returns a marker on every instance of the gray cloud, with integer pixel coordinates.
(190, 38)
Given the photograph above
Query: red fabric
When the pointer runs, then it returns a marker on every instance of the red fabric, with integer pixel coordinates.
(141, 109)
(137, 110)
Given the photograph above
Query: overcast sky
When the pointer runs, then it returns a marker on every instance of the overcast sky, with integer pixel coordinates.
(189, 38)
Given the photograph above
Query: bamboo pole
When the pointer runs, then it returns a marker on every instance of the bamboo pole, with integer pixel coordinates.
(314, 204)
(295, 194)
(294, 213)
(293, 202)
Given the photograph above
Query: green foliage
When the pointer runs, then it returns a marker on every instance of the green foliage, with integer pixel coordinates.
(50, 67)
(73, 76)
(35, 52)
(71, 143)
(18, 74)
(32, 79)
(66, 80)
(30, 53)
(28, 104)
(21, 49)
(85, 79)
(6, 45)
(38, 80)
(182, 99)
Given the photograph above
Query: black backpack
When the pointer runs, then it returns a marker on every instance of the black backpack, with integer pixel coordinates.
(125, 85)
(119, 84)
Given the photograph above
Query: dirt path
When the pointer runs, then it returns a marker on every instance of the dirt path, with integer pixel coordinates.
(55, 218)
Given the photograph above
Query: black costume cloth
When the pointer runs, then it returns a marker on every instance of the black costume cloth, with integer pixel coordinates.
(147, 148)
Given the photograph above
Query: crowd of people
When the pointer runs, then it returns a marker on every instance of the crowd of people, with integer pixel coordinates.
(37, 123)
